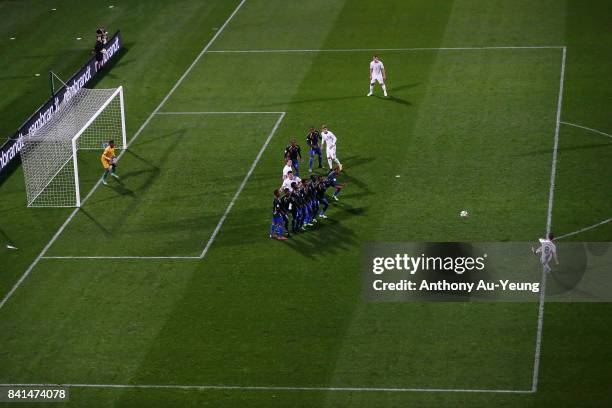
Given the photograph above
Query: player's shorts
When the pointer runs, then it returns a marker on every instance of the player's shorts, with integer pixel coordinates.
(316, 150)
(105, 163)
(331, 152)
(277, 219)
(546, 258)
(378, 79)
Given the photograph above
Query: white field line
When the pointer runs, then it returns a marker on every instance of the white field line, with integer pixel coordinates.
(590, 227)
(218, 113)
(244, 181)
(348, 389)
(587, 128)
(518, 47)
(146, 122)
(551, 193)
(271, 388)
(120, 257)
(223, 217)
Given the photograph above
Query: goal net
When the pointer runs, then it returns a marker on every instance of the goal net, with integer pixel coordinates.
(87, 121)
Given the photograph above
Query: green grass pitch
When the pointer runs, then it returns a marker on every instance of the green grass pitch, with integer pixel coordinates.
(469, 125)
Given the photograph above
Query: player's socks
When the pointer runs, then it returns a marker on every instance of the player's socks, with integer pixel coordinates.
(272, 228)
(320, 162)
(310, 163)
(384, 89)
(329, 161)
(280, 231)
(371, 90)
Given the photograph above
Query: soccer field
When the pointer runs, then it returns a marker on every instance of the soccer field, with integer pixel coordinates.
(164, 290)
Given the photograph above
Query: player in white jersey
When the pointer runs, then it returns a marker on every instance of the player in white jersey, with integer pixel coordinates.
(287, 168)
(547, 252)
(287, 183)
(377, 74)
(329, 139)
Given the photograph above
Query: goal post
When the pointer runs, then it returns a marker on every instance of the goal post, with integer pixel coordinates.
(87, 121)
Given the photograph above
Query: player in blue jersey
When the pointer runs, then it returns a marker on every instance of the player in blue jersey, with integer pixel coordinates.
(294, 153)
(332, 181)
(322, 201)
(277, 217)
(300, 211)
(314, 202)
(287, 207)
(309, 216)
(313, 139)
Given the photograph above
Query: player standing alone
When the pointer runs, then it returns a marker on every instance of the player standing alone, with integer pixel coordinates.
(377, 74)
(108, 162)
(547, 252)
(330, 140)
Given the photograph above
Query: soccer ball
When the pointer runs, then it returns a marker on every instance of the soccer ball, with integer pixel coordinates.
(464, 214)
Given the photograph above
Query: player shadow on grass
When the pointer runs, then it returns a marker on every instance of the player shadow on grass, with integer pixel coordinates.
(352, 162)
(100, 226)
(395, 99)
(121, 189)
(151, 175)
(300, 101)
(5, 238)
(330, 236)
(405, 86)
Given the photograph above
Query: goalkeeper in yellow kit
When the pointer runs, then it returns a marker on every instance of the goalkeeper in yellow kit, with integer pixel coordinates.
(108, 162)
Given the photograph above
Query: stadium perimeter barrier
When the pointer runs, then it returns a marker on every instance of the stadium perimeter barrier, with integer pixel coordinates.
(9, 151)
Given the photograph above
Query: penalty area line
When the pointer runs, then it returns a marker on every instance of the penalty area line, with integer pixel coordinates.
(244, 182)
(120, 257)
(517, 47)
(590, 227)
(221, 220)
(273, 388)
(551, 194)
(599, 132)
(219, 113)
